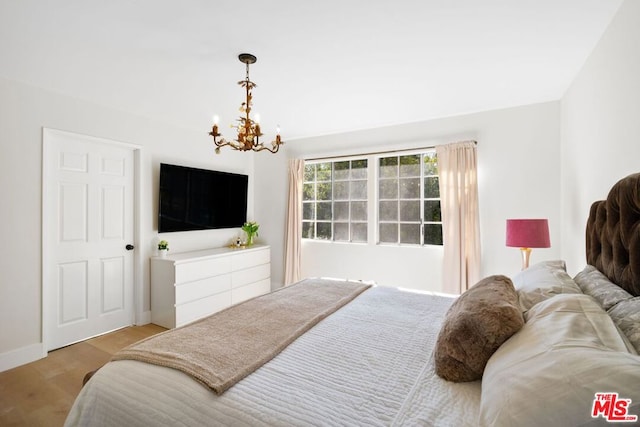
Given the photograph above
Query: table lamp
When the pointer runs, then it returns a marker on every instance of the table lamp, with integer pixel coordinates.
(526, 234)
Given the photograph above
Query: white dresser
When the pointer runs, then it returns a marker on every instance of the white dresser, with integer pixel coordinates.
(189, 285)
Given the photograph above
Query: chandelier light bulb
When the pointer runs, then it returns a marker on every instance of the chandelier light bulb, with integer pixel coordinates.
(256, 118)
(216, 119)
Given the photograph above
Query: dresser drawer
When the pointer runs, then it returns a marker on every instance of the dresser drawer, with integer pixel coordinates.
(191, 291)
(187, 286)
(196, 270)
(250, 259)
(249, 291)
(250, 275)
(186, 313)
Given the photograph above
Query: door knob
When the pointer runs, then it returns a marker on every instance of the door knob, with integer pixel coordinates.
(129, 247)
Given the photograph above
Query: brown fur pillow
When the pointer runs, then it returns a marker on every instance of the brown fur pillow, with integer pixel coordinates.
(477, 323)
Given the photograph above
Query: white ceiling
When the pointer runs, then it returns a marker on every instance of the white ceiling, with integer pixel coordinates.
(323, 66)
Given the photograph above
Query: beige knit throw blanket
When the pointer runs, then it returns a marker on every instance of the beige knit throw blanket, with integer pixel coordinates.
(225, 347)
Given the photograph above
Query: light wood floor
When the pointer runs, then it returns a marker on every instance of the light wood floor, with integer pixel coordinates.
(41, 393)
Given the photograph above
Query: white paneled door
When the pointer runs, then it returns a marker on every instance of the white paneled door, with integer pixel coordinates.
(88, 214)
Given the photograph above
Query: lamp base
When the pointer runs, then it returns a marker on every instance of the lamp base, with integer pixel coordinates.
(526, 253)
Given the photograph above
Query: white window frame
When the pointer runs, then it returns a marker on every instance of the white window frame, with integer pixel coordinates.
(333, 201)
(422, 199)
(373, 197)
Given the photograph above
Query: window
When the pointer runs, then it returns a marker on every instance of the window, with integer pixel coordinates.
(409, 200)
(432, 215)
(334, 205)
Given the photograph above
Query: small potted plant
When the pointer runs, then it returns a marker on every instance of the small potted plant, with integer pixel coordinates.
(251, 228)
(163, 247)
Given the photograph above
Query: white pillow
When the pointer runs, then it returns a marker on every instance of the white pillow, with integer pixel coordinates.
(542, 281)
(548, 373)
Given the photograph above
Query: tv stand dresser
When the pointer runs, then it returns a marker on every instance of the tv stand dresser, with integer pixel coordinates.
(190, 285)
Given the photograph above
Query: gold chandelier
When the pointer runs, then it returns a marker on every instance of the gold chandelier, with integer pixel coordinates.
(249, 133)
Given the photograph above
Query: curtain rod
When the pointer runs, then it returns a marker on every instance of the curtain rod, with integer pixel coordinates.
(373, 153)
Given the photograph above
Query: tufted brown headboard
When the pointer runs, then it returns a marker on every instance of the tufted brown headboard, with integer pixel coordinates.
(613, 234)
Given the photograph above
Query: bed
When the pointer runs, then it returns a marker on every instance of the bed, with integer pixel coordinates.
(571, 358)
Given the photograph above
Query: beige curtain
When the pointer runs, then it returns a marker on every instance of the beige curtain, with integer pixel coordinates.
(293, 232)
(457, 168)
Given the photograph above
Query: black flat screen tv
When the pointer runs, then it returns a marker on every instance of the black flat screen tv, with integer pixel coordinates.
(200, 199)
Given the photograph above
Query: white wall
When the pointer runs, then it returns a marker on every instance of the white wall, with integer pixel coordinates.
(24, 111)
(519, 171)
(600, 127)
(270, 189)
(520, 162)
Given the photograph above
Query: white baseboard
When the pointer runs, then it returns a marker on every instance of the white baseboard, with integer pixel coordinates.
(143, 318)
(21, 356)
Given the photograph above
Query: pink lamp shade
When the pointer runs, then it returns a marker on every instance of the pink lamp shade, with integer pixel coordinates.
(528, 233)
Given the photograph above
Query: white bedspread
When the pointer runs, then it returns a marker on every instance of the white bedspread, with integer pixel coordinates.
(369, 364)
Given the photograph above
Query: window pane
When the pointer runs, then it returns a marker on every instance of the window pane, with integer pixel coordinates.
(341, 190)
(341, 170)
(359, 233)
(388, 189)
(430, 164)
(432, 234)
(359, 169)
(358, 211)
(410, 233)
(388, 233)
(308, 211)
(334, 195)
(432, 211)
(388, 167)
(410, 188)
(341, 211)
(309, 172)
(341, 231)
(323, 172)
(431, 187)
(309, 192)
(323, 210)
(324, 191)
(410, 210)
(323, 230)
(388, 211)
(307, 230)
(358, 190)
(410, 165)
(408, 195)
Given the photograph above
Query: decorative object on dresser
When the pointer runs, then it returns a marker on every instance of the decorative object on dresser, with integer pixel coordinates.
(190, 285)
(526, 234)
(163, 248)
(251, 228)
